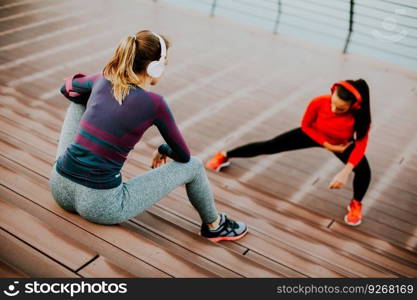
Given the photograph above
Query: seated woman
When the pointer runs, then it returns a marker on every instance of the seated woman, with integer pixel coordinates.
(108, 115)
(338, 122)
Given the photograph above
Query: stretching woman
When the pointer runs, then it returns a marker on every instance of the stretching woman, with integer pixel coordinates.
(338, 122)
(108, 115)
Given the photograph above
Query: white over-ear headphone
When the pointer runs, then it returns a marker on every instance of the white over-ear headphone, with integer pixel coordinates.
(157, 67)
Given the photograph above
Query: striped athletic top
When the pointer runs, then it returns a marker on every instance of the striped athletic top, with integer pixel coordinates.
(109, 131)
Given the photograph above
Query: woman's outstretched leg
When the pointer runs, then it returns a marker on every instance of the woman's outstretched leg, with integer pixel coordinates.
(287, 141)
(145, 190)
(141, 192)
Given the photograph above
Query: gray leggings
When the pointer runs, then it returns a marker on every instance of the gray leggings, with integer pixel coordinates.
(116, 205)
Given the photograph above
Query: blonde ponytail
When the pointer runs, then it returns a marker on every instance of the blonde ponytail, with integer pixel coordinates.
(128, 65)
(119, 70)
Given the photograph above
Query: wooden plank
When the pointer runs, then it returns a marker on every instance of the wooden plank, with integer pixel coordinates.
(45, 238)
(302, 245)
(182, 250)
(16, 154)
(186, 211)
(274, 218)
(32, 109)
(124, 259)
(8, 271)
(111, 238)
(26, 118)
(261, 199)
(278, 216)
(26, 25)
(403, 237)
(381, 246)
(268, 248)
(8, 126)
(41, 170)
(163, 224)
(320, 235)
(276, 266)
(23, 8)
(32, 262)
(103, 268)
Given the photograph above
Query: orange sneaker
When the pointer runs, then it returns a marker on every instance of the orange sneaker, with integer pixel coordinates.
(218, 162)
(354, 215)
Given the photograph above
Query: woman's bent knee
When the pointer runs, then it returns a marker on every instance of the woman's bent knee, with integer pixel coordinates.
(363, 167)
(197, 165)
(196, 161)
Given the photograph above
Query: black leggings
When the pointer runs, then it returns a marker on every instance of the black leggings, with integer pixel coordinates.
(297, 139)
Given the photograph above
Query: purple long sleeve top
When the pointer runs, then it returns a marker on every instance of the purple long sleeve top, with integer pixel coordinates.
(109, 131)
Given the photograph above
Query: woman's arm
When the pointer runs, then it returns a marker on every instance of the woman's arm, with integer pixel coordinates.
(359, 151)
(308, 120)
(175, 147)
(77, 88)
(355, 157)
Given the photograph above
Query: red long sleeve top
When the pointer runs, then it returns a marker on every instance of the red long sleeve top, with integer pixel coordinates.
(322, 125)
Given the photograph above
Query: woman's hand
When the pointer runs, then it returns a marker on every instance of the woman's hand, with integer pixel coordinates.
(336, 148)
(341, 178)
(158, 159)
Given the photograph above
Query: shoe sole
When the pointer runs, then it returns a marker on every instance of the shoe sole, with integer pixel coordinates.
(227, 238)
(223, 165)
(349, 223)
(352, 224)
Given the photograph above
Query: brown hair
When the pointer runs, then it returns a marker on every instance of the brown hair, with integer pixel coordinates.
(130, 60)
(363, 115)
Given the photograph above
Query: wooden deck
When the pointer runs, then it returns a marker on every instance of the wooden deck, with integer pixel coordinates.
(227, 84)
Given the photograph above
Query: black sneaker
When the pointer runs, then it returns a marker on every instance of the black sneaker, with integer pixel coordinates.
(228, 230)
